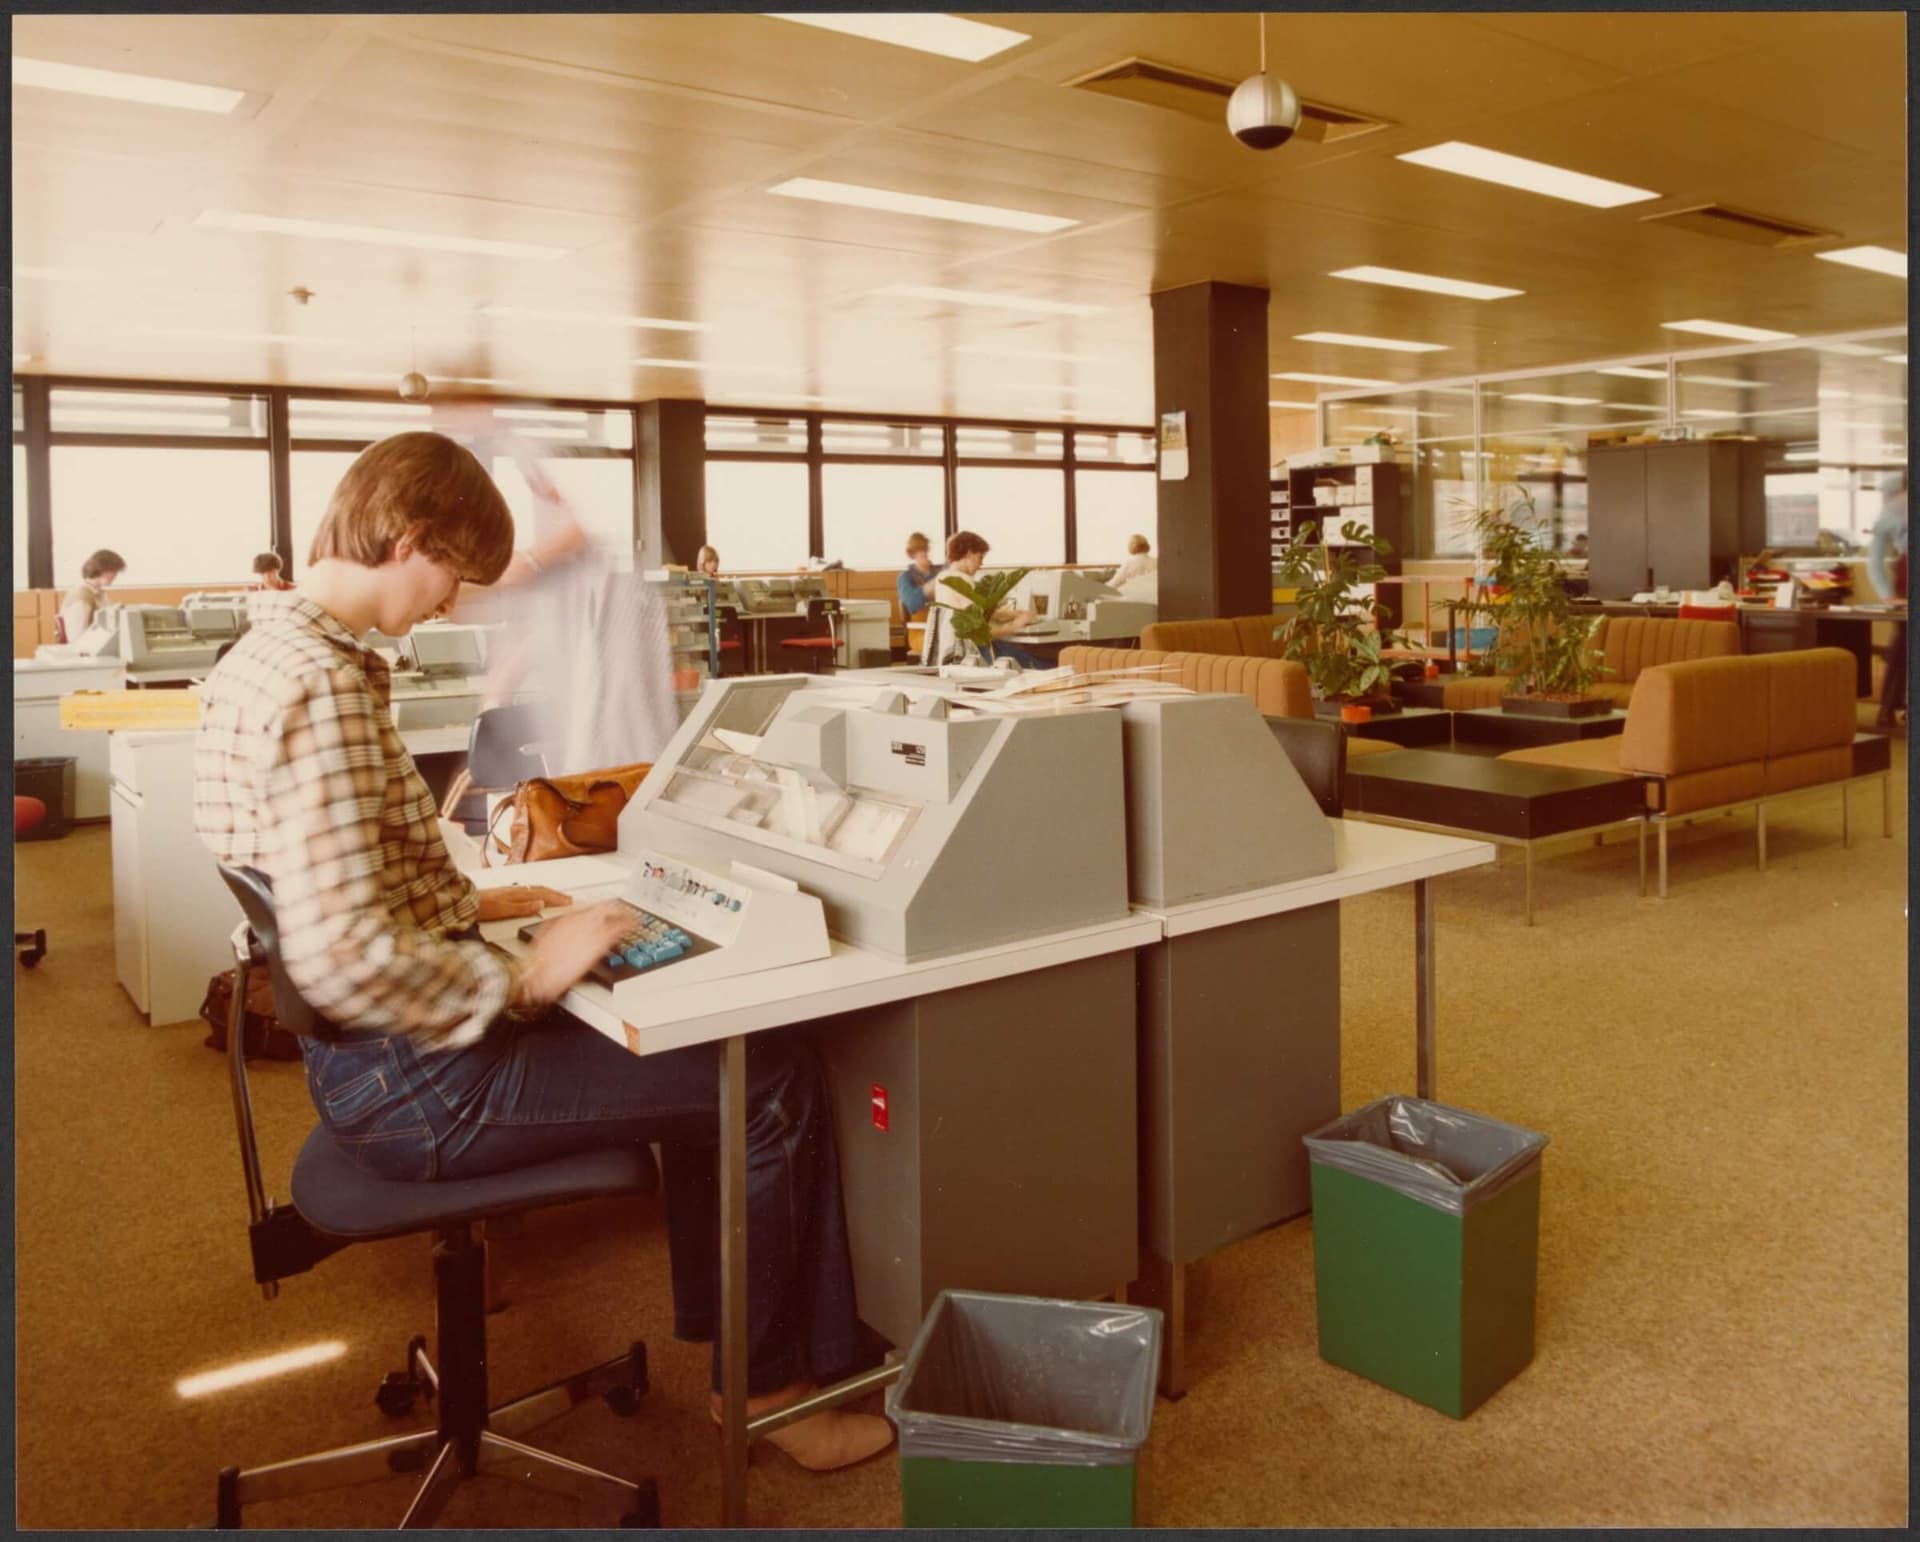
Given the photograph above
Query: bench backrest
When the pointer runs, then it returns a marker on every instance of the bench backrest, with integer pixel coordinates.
(1633, 643)
(1248, 635)
(1702, 714)
(1276, 687)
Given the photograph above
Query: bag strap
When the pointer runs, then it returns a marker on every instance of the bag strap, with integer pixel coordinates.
(456, 790)
(505, 805)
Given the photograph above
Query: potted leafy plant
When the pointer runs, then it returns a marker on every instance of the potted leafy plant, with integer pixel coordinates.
(1337, 629)
(1540, 644)
(984, 593)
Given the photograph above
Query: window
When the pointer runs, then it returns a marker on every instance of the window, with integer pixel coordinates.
(1113, 449)
(179, 516)
(756, 514)
(871, 510)
(1020, 510)
(869, 438)
(315, 474)
(599, 491)
(168, 413)
(1009, 443)
(757, 436)
(1111, 506)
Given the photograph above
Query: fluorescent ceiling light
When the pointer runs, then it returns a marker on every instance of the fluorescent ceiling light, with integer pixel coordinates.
(722, 368)
(372, 235)
(1875, 259)
(364, 409)
(1802, 455)
(589, 318)
(1354, 340)
(121, 87)
(1708, 412)
(1894, 358)
(1339, 380)
(1727, 329)
(1399, 278)
(1731, 382)
(391, 378)
(242, 337)
(1028, 353)
(1295, 406)
(1635, 372)
(1529, 176)
(952, 37)
(1631, 407)
(260, 1369)
(1556, 401)
(803, 399)
(1849, 350)
(855, 196)
(990, 299)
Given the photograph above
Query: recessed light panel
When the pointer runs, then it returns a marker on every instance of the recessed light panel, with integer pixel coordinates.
(1295, 406)
(990, 300)
(1399, 278)
(1338, 380)
(887, 201)
(1355, 340)
(372, 235)
(1556, 401)
(1728, 329)
(1028, 353)
(1875, 259)
(589, 318)
(1635, 372)
(1516, 171)
(1894, 358)
(150, 90)
(952, 37)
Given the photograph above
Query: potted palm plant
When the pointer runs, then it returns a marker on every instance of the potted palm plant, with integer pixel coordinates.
(1540, 644)
(1337, 630)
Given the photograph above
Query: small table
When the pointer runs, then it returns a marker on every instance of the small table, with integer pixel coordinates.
(1520, 730)
(1411, 727)
(1508, 803)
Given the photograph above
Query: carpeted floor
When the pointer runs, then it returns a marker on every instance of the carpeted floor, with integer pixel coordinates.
(1723, 1293)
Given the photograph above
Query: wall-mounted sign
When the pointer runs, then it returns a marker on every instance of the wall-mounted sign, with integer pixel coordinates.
(1173, 446)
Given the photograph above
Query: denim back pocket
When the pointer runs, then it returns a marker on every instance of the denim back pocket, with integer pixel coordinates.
(368, 1109)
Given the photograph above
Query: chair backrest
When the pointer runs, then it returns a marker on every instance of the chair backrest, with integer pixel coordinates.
(502, 749)
(1318, 749)
(255, 894)
(1251, 636)
(819, 609)
(27, 812)
(1630, 644)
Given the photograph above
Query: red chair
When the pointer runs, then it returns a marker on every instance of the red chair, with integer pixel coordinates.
(818, 651)
(28, 812)
(1707, 612)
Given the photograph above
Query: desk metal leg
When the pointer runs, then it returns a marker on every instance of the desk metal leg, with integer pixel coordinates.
(733, 1281)
(1760, 836)
(1846, 815)
(1528, 849)
(1640, 828)
(1423, 1003)
(1886, 804)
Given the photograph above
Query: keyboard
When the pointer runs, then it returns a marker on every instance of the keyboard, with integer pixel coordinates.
(651, 943)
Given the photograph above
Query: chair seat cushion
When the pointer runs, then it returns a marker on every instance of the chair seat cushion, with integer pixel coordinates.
(340, 1200)
(1601, 754)
(1358, 746)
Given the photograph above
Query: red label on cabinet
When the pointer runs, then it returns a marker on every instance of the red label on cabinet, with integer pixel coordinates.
(879, 1106)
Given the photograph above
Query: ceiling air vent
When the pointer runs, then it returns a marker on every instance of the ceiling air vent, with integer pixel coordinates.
(1205, 96)
(1714, 219)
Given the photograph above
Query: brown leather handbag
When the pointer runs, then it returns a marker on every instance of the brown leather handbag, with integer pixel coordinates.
(565, 816)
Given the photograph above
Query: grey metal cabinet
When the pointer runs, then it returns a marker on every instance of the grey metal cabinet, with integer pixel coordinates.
(1675, 515)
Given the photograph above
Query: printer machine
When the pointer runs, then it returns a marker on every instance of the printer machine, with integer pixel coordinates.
(1077, 607)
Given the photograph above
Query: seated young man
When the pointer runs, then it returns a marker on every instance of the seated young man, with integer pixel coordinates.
(444, 1064)
(965, 552)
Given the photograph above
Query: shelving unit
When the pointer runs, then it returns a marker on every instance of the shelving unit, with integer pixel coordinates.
(693, 632)
(1372, 481)
(1279, 509)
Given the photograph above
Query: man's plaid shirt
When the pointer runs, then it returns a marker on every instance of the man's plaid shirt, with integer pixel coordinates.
(299, 772)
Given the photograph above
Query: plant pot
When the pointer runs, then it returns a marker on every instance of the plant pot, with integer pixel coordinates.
(1432, 671)
(1553, 706)
(1376, 706)
(1355, 712)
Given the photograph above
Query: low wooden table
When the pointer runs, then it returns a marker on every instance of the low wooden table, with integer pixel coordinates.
(1519, 730)
(1502, 801)
(1411, 727)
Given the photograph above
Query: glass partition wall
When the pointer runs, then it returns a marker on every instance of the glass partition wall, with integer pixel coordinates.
(1830, 412)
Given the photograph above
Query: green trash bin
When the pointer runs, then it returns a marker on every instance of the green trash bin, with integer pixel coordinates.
(1020, 1411)
(1426, 1233)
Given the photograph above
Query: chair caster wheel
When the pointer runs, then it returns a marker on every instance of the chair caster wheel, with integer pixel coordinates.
(645, 1514)
(397, 1395)
(621, 1400)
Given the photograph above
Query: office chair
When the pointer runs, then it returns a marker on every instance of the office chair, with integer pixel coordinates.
(819, 650)
(1318, 750)
(503, 751)
(335, 1204)
(28, 812)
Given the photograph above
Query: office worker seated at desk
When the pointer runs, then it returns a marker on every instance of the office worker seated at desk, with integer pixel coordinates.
(708, 562)
(97, 575)
(450, 1061)
(266, 572)
(1139, 562)
(916, 579)
(941, 645)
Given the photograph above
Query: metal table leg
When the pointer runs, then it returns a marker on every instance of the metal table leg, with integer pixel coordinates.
(1527, 848)
(733, 1281)
(1640, 828)
(1423, 993)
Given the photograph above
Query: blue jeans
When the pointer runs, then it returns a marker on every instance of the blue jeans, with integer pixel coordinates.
(1010, 650)
(532, 1091)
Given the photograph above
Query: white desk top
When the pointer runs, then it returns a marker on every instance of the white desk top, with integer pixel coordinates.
(1363, 862)
(848, 979)
(437, 741)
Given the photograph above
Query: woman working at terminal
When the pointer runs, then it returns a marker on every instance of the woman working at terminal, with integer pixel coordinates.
(97, 574)
(450, 1061)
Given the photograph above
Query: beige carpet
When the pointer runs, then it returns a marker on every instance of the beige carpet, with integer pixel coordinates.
(1723, 1293)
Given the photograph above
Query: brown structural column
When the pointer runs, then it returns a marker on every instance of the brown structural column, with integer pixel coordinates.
(670, 481)
(1210, 362)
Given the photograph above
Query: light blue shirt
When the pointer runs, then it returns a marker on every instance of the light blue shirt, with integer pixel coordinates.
(1887, 544)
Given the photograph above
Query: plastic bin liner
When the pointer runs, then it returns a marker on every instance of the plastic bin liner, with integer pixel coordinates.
(994, 1378)
(1444, 1157)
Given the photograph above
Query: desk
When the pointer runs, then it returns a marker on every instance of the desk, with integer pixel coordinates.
(848, 980)
(1233, 1072)
(1769, 629)
(38, 685)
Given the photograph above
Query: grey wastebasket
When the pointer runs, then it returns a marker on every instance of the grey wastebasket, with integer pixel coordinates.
(1022, 1411)
(50, 779)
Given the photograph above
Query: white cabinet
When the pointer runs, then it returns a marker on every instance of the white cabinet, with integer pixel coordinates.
(38, 685)
(172, 916)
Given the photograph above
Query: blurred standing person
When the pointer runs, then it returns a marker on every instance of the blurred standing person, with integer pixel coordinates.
(97, 575)
(1887, 562)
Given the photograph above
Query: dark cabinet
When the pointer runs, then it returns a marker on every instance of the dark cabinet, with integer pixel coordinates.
(1675, 515)
(1380, 503)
